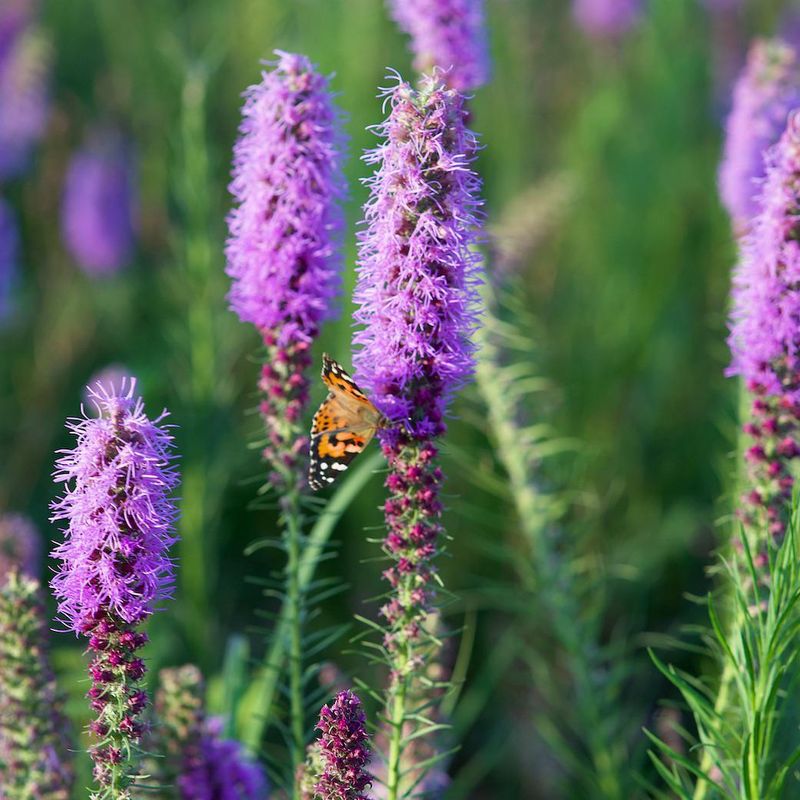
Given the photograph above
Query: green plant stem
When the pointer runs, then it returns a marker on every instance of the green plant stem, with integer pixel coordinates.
(295, 613)
(397, 718)
(261, 692)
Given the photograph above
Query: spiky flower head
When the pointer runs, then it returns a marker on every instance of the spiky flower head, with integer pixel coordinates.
(344, 746)
(118, 511)
(417, 266)
(767, 89)
(449, 34)
(606, 18)
(20, 546)
(99, 205)
(287, 184)
(765, 331)
(24, 101)
(35, 738)
(9, 257)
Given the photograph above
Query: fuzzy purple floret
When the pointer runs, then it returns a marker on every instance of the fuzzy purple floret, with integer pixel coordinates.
(220, 770)
(118, 512)
(417, 266)
(99, 206)
(606, 18)
(9, 257)
(24, 95)
(344, 745)
(282, 251)
(765, 92)
(765, 330)
(450, 34)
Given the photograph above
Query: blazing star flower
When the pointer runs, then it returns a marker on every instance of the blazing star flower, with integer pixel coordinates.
(606, 18)
(20, 546)
(449, 34)
(765, 333)
(24, 67)
(35, 737)
(344, 748)
(195, 758)
(765, 92)
(98, 207)
(282, 251)
(9, 256)
(114, 561)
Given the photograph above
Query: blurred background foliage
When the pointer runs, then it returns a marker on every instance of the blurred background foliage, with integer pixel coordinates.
(599, 166)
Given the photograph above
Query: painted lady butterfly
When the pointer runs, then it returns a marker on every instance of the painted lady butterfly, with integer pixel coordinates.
(342, 427)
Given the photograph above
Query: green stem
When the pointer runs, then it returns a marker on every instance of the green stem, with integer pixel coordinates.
(295, 613)
(396, 720)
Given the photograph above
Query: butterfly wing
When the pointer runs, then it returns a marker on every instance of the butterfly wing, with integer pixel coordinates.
(343, 426)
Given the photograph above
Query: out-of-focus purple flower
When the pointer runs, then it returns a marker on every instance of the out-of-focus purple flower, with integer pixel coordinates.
(765, 332)
(194, 756)
(9, 257)
(417, 268)
(344, 746)
(765, 92)
(20, 546)
(282, 251)
(606, 18)
(450, 34)
(115, 562)
(99, 205)
(35, 737)
(24, 67)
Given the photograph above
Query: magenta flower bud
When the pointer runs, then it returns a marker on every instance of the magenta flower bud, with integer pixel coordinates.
(115, 563)
(449, 34)
(99, 205)
(765, 92)
(606, 18)
(344, 747)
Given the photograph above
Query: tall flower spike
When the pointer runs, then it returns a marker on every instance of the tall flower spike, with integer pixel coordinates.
(99, 205)
(765, 335)
(606, 18)
(35, 739)
(765, 92)
(9, 256)
(24, 67)
(344, 748)
(282, 252)
(20, 546)
(114, 562)
(193, 755)
(417, 296)
(449, 34)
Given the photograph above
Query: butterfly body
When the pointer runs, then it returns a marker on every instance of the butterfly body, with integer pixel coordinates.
(343, 426)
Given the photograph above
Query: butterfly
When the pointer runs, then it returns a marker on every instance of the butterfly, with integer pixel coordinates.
(343, 426)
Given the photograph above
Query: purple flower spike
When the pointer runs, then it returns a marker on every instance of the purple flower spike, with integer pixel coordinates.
(417, 265)
(765, 334)
(24, 66)
(606, 18)
(344, 748)
(766, 91)
(99, 205)
(9, 257)
(282, 251)
(114, 562)
(20, 546)
(449, 34)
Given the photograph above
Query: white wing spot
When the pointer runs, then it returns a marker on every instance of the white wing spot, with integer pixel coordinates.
(337, 465)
